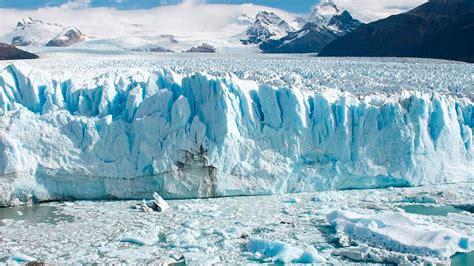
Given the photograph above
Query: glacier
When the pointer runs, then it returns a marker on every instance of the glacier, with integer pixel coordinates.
(198, 135)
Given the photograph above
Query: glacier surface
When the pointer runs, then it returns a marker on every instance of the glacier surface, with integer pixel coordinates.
(188, 135)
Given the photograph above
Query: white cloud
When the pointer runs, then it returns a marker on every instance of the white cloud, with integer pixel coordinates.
(76, 4)
(189, 3)
(370, 10)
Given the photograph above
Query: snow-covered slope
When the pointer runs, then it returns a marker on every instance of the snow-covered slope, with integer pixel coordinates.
(196, 135)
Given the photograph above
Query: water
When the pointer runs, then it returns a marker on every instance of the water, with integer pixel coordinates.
(431, 210)
(462, 259)
(35, 214)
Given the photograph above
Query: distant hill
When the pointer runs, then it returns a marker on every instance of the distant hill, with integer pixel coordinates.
(441, 29)
(10, 52)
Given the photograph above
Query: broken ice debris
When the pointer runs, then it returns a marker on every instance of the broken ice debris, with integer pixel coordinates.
(279, 252)
(145, 207)
(18, 257)
(159, 204)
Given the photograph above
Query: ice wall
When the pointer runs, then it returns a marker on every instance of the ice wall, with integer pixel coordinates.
(202, 136)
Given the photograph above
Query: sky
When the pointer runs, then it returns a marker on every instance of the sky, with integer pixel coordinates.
(293, 6)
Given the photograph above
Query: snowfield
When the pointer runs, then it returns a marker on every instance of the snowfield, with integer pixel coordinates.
(79, 126)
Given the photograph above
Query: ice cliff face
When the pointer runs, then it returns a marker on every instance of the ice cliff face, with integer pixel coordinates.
(201, 136)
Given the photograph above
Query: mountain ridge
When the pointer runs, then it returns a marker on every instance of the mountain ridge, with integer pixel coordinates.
(437, 29)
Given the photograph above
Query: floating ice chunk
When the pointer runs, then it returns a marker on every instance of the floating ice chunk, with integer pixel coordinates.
(421, 198)
(19, 257)
(275, 251)
(461, 218)
(365, 253)
(294, 200)
(168, 262)
(397, 232)
(145, 207)
(143, 237)
(198, 259)
(159, 204)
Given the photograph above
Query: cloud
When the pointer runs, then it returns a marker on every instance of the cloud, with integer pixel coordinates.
(189, 3)
(76, 4)
(370, 10)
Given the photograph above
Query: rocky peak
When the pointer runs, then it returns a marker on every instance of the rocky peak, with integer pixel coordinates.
(323, 12)
(25, 22)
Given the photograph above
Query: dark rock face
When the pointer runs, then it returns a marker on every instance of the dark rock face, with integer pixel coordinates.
(203, 48)
(10, 52)
(68, 38)
(156, 49)
(170, 38)
(344, 23)
(438, 29)
(313, 36)
(20, 41)
(310, 39)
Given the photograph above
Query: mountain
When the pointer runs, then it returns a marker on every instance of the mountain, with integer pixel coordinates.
(265, 26)
(203, 48)
(35, 32)
(310, 39)
(437, 29)
(67, 38)
(323, 12)
(298, 22)
(324, 25)
(31, 31)
(10, 52)
(343, 23)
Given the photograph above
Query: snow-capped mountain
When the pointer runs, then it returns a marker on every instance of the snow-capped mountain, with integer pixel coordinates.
(343, 23)
(265, 26)
(310, 39)
(323, 12)
(31, 31)
(67, 38)
(325, 24)
(35, 32)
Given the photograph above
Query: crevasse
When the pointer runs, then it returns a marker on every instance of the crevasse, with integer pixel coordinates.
(196, 135)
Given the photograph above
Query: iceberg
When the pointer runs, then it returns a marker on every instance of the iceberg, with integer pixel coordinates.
(197, 135)
(398, 232)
